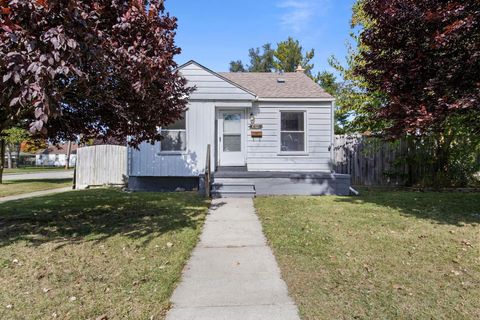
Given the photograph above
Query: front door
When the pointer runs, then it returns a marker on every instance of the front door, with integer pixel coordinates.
(231, 138)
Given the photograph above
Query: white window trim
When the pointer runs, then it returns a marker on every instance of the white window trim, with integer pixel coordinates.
(176, 152)
(303, 153)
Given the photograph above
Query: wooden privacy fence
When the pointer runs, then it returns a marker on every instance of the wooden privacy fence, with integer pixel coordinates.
(371, 161)
(365, 169)
(101, 165)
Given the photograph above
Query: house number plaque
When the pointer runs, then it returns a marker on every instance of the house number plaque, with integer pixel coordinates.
(257, 133)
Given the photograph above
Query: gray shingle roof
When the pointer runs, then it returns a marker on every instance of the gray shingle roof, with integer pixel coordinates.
(266, 85)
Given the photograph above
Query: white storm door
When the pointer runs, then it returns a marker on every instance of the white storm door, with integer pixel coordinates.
(231, 138)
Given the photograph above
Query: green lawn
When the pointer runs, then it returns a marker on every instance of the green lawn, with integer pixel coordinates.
(383, 255)
(10, 188)
(24, 170)
(85, 254)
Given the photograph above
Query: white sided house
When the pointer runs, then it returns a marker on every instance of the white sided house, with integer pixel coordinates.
(269, 133)
(56, 156)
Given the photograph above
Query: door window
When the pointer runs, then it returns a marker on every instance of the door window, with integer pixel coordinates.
(232, 132)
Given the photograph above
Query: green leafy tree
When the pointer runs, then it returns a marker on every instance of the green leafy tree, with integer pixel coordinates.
(286, 57)
(237, 66)
(13, 140)
(289, 55)
(354, 100)
(328, 82)
(353, 96)
(261, 60)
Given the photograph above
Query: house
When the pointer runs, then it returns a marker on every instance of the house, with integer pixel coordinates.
(56, 156)
(269, 133)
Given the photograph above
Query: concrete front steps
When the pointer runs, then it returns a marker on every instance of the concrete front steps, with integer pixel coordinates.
(238, 182)
(233, 188)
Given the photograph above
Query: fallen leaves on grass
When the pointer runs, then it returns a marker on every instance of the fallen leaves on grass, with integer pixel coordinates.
(368, 268)
(466, 243)
(398, 287)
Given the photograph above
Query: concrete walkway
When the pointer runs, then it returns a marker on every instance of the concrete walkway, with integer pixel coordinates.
(232, 273)
(35, 194)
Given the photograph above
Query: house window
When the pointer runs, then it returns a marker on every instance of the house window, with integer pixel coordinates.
(174, 137)
(292, 131)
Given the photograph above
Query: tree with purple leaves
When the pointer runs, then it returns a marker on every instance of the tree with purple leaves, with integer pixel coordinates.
(95, 68)
(424, 57)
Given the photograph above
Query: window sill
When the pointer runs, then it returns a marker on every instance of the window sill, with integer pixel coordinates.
(293, 154)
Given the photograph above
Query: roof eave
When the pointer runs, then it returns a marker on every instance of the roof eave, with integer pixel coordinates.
(260, 99)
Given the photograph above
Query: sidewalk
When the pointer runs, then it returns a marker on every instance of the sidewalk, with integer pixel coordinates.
(232, 273)
(67, 174)
(34, 194)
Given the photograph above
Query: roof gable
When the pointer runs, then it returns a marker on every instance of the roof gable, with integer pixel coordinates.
(211, 85)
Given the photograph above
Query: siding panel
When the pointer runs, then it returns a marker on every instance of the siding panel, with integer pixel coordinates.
(263, 153)
(150, 162)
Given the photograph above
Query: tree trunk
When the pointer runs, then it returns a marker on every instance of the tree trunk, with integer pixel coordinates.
(442, 160)
(410, 161)
(2, 159)
(19, 149)
(69, 151)
(9, 158)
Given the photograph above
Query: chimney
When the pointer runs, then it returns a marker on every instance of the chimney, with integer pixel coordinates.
(300, 69)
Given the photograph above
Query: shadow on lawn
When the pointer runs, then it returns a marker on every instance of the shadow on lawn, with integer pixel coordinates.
(453, 208)
(96, 215)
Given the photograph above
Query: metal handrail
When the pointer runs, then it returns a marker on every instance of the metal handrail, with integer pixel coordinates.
(208, 173)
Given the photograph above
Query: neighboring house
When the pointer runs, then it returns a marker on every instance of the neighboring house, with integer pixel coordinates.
(56, 156)
(270, 133)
